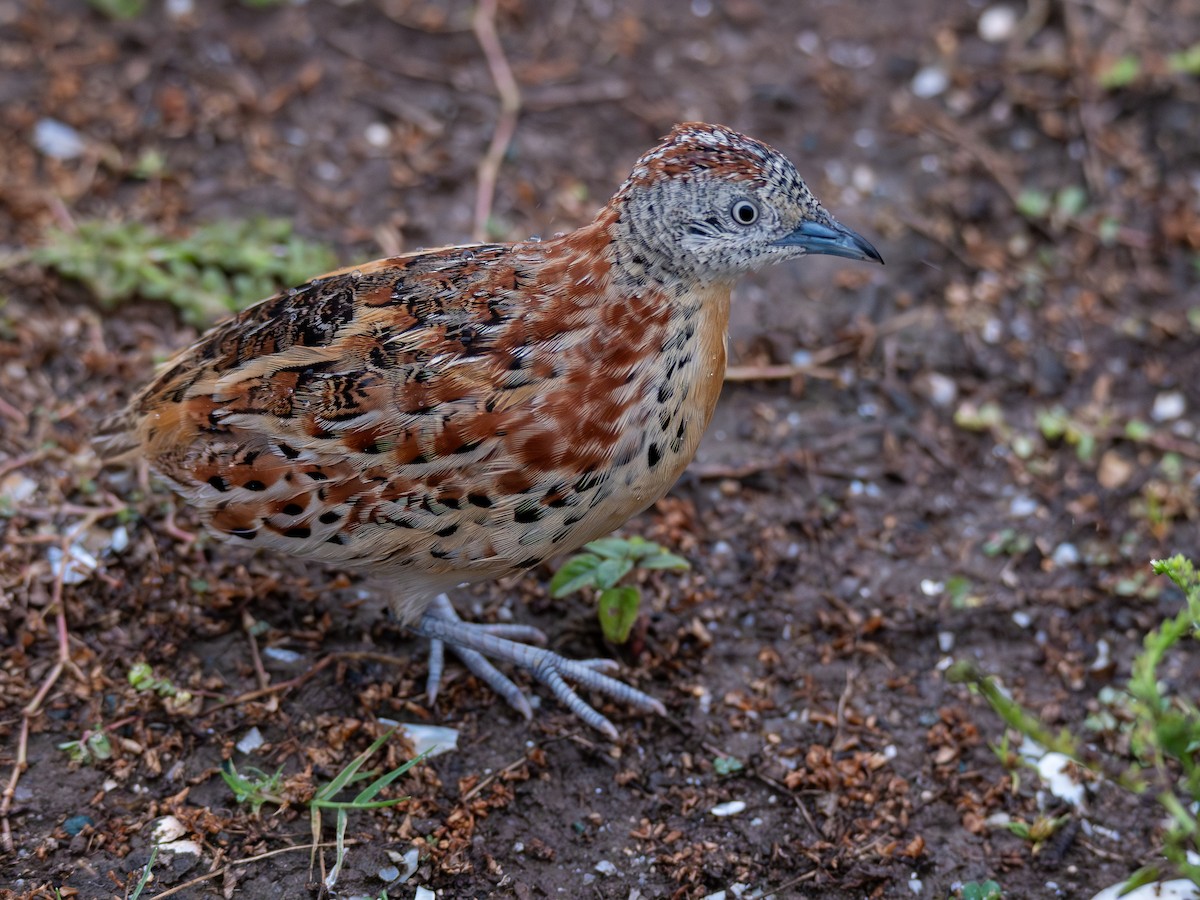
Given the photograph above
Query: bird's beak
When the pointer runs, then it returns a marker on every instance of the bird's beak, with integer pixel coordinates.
(833, 239)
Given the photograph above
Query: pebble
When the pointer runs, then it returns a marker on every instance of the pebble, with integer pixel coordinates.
(58, 140)
(377, 135)
(1167, 406)
(252, 741)
(1022, 506)
(1054, 769)
(930, 82)
(166, 830)
(605, 868)
(732, 808)
(942, 390)
(1177, 889)
(1065, 555)
(281, 655)
(997, 24)
(931, 588)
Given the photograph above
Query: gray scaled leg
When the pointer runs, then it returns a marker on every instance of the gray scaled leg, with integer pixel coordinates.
(472, 643)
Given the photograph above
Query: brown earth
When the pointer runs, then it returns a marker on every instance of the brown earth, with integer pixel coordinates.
(846, 536)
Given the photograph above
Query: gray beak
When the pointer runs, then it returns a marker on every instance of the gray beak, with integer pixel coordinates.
(833, 239)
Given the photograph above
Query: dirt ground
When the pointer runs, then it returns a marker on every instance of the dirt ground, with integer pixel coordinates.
(883, 488)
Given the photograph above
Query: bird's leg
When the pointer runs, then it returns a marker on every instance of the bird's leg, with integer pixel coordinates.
(473, 643)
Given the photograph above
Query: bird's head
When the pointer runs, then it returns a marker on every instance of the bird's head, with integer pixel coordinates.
(716, 204)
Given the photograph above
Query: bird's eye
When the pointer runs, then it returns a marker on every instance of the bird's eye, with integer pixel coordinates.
(744, 212)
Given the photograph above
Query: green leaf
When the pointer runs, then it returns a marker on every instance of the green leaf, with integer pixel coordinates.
(575, 574)
(665, 561)
(1121, 73)
(618, 610)
(1070, 201)
(610, 571)
(1033, 204)
(1186, 62)
(609, 547)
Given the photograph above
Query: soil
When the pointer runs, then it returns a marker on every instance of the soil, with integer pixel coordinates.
(882, 489)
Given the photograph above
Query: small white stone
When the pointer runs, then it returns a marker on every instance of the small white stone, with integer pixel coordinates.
(432, 739)
(808, 42)
(1167, 406)
(931, 588)
(945, 641)
(57, 139)
(1022, 506)
(252, 741)
(1064, 555)
(943, 391)
(998, 23)
(281, 655)
(716, 895)
(1054, 769)
(180, 9)
(424, 893)
(915, 884)
(167, 829)
(189, 848)
(863, 179)
(1178, 889)
(1022, 619)
(732, 808)
(605, 868)
(75, 567)
(377, 135)
(930, 81)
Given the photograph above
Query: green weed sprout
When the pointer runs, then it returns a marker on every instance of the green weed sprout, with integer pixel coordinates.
(325, 799)
(1164, 732)
(218, 269)
(607, 561)
(253, 786)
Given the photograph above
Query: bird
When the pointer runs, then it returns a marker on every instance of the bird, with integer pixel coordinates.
(455, 415)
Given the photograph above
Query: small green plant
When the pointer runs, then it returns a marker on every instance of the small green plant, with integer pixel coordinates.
(1057, 424)
(1007, 542)
(94, 746)
(326, 798)
(1163, 729)
(119, 9)
(220, 268)
(142, 677)
(727, 765)
(607, 561)
(1120, 73)
(253, 786)
(973, 890)
(1040, 830)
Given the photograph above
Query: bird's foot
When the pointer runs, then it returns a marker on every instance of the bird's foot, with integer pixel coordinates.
(474, 643)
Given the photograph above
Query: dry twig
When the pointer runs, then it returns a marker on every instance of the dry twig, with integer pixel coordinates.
(484, 25)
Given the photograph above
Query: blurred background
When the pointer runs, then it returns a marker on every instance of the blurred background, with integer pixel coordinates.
(970, 454)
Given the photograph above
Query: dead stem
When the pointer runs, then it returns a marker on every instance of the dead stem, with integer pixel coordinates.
(484, 25)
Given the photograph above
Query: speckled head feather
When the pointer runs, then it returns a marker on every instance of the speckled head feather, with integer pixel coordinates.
(715, 204)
